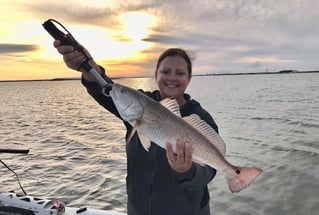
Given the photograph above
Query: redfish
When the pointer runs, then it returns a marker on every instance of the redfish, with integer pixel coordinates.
(161, 123)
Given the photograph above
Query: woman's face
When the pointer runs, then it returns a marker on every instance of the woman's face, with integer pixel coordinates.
(172, 78)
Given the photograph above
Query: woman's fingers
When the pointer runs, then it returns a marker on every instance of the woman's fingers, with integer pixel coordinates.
(181, 161)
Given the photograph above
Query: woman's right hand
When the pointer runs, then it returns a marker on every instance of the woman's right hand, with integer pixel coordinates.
(74, 58)
(71, 57)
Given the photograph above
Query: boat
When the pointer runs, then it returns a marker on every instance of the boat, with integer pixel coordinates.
(12, 203)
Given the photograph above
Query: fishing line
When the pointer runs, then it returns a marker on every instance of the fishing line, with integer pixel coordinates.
(5, 165)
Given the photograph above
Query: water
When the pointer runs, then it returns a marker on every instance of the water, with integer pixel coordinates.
(77, 148)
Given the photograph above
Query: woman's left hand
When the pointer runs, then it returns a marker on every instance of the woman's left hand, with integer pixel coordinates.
(181, 162)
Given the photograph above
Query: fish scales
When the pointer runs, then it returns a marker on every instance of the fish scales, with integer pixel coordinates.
(165, 127)
(161, 124)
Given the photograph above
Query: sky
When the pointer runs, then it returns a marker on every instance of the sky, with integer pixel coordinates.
(127, 36)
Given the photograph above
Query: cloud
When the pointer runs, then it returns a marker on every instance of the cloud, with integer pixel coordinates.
(75, 12)
(223, 32)
(256, 65)
(16, 48)
(167, 39)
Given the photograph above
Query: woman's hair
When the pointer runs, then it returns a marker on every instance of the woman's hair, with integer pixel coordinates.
(176, 52)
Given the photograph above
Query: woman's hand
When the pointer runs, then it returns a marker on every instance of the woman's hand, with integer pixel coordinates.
(73, 58)
(181, 162)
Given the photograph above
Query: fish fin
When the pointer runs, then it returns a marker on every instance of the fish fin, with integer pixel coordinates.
(171, 105)
(244, 176)
(207, 131)
(198, 161)
(134, 129)
(146, 143)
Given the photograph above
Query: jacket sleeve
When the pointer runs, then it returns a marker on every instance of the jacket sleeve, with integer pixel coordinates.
(196, 178)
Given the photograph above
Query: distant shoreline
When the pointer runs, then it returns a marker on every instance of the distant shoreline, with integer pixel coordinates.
(261, 73)
(208, 74)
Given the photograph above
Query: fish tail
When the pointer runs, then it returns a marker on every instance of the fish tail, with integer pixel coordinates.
(244, 176)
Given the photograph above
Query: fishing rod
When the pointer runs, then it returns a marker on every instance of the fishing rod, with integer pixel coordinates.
(12, 203)
(15, 151)
(68, 39)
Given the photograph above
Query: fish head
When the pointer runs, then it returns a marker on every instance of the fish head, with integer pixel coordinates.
(127, 102)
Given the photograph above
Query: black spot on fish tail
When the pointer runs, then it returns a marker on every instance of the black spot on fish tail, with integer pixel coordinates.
(237, 171)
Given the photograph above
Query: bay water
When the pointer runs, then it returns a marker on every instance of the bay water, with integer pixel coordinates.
(77, 149)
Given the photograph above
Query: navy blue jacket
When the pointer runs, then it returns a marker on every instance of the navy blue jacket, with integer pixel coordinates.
(153, 187)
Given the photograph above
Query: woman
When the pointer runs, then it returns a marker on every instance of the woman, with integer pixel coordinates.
(159, 181)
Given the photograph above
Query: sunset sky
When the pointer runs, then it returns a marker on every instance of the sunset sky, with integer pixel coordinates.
(126, 36)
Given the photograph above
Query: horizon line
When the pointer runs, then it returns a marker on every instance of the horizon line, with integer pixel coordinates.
(146, 76)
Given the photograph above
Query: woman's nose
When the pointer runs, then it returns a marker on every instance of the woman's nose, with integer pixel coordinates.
(172, 75)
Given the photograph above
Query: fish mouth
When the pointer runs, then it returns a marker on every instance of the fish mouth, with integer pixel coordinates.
(113, 93)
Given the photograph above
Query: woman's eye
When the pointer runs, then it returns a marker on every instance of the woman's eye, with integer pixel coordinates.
(181, 73)
(165, 72)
